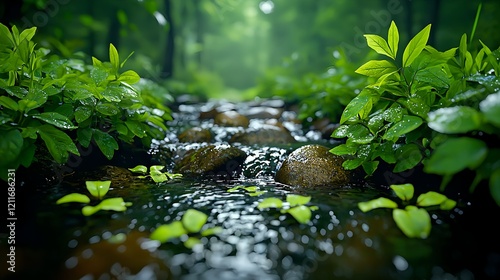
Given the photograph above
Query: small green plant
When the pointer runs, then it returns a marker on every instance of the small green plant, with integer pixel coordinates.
(191, 223)
(413, 221)
(294, 205)
(155, 173)
(97, 189)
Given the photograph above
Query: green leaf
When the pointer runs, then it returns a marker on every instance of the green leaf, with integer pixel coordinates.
(98, 75)
(407, 157)
(139, 169)
(365, 99)
(490, 107)
(351, 164)
(107, 109)
(82, 113)
(295, 199)
(301, 213)
(430, 199)
(378, 44)
(343, 149)
(129, 77)
(233, 189)
(27, 34)
(456, 154)
(98, 189)
(114, 204)
(193, 220)
(380, 202)
(84, 136)
(448, 204)
(414, 222)
(55, 119)
(166, 232)
(191, 242)
(106, 143)
(370, 166)
(376, 68)
(211, 231)
(415, 46)
(89, 210)
(458, 119)
(9, 103)
(393, 39)
(159, 177)
(114, 57)
(403, 191)
(270, 202)
(58, 143)
(407, 124)
(73, 197)
(136, 128)
(11, 144)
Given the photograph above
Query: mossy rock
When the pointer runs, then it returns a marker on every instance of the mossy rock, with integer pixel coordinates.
(231, 118)
(212, 160)
(313, 166)
(265, 134)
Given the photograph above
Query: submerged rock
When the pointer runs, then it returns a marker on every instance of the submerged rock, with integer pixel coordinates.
(195, 135)
(212, 160)
(265, 134)
(313, 166)
(231, 118)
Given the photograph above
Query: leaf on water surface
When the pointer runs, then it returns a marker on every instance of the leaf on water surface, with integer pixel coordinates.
(380, 202)
(301, 213)
(165, 232)
(295, 199)
(191, 242)
(403, 191)
(139, 169)
(414, 222)
(73, 197)
(430, 199)
(270, 202)
(98, 189)
(211, 231)
(193, 220)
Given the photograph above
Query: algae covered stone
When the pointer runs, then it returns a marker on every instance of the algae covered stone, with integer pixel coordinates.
(313, 166)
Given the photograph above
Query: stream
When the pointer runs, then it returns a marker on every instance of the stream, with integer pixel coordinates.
(339, 242)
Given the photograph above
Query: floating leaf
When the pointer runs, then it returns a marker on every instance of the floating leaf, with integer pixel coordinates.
(380, 202)
(430, 199)
(233, 189)
(295, 199)
(270, 202)
(414, 222)
(115, 204)
(256, 193)
(139, 169)
(73, 197)
(191, 242)
(448, 204)
(98, 188)
(403, 191)
(193, 220)
(165, 232)
(301, 213)
(211, 231)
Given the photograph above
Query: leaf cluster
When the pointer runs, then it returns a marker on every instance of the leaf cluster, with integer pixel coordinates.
(427, 106)
(66, 103)
(413, 221)
(97, 189)
(295, 205)
(155, 173)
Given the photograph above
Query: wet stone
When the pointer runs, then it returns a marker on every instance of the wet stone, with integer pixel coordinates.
(313, 166)
(212, 160)
(231, 118)
(195, 135)
(264, 134)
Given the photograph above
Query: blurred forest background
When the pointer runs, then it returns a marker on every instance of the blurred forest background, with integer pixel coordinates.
(238, 49)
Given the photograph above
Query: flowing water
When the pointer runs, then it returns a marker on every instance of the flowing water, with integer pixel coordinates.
(339, 242)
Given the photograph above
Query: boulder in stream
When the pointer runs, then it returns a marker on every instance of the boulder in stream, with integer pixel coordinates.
(195, 135)
(231, 118)
(212, 160)
(313, 166)
(264, 134)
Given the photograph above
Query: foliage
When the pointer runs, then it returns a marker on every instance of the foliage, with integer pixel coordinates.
(97, 189)
(65, 103)
(191, 222)
(295, 206)
(251, 190)
(427, 106)
(155, 173)
(413, 221)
